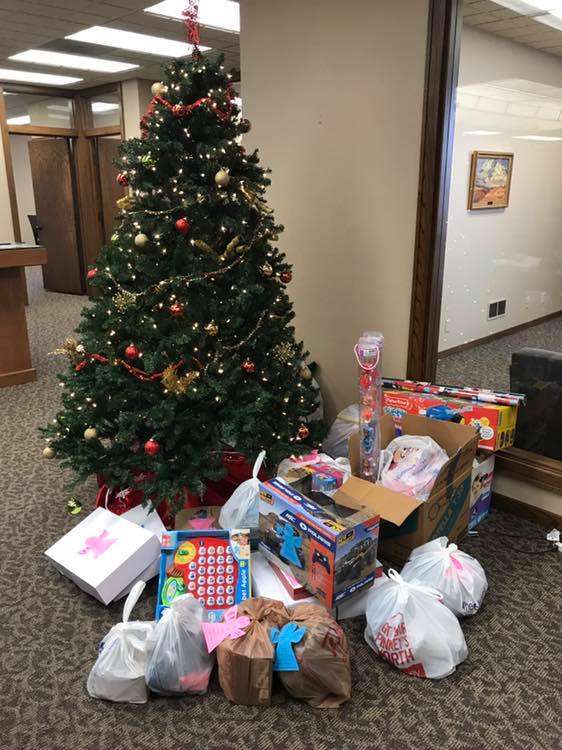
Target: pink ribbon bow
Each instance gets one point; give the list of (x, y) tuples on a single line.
[(231, 627)]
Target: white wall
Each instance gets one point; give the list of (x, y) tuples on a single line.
[(513, 253), (335, 96), (24, 183)]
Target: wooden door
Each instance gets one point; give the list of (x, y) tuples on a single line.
[(51, 172), (110, 189)]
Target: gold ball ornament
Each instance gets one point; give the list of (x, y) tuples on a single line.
[(158, 88), (212, 328), (222, 178), (48, 452), (90, 433), (141, 240)]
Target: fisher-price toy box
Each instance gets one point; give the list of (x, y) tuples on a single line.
[(331, 549), (495, 423)]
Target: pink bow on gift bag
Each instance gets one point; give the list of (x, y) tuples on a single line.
[(231, 627)]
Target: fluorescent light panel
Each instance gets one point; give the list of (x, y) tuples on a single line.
[(546, 138), (148, 45), (215, 14), (30, 77), (482, 132), (20, 120), (103, 106), (80, 62)]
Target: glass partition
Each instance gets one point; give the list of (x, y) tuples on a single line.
[(40, 110)]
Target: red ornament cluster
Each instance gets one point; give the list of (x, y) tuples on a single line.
[(303, 432), (122, 179), (182, 225), (286, 277), (176, 310), (248, 366), (152, 447), (131, 352), (92, 273)]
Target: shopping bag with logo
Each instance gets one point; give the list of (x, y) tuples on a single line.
[(180, 662), (409, 626), (242, 507), (459, 578), (312, 657), (119, 671)]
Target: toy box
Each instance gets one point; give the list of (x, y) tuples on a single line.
[(495, 423), (481, 488), (331, 549), (214, 566)]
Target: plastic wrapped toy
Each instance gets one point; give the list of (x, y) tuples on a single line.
[(410, 465), (458, 577), (409, 626), (180, 662), (119, 671), (242, 507), (322, 677), (368, 352)]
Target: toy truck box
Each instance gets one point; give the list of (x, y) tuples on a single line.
[(495, 424), (330, 549)]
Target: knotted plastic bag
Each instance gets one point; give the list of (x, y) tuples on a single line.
[(346, 424), (241, 510), (246, 662), (323, 675), (119, 671), (180, 662), (459, 578), (409, 626)]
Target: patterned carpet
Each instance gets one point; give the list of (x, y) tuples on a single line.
[(487, 365), (506, 695)]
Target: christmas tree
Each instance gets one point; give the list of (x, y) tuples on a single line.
[(188, 345)]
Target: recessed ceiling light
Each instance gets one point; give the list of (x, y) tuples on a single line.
[(80, 62), (20, 120), (148, 45), (546, 138), (103, 106), (29, 77), (216, 14), (482, 132)]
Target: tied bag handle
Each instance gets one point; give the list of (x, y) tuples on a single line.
[(257, 466), (132, 599), (395, 577)]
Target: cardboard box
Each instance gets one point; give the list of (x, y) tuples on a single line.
[(481, 488), (104, 553), (496, 424)]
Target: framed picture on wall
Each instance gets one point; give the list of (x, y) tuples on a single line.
[(490, 180)]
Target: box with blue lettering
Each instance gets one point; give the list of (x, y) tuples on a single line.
[(330, 548)]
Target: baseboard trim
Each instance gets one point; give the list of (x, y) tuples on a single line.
[(498, 335), (545, 517)]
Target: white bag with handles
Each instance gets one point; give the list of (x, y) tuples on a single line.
[(241, 510), (410, 627), (459, 578), (118, 674)]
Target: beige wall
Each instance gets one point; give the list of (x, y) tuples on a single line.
[(136, 98), (24, 183), (335, 97), (6, 226)]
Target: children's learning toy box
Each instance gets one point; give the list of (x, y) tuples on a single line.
[(214, 566), (331, 549)]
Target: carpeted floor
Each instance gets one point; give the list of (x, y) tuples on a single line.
[(506, 695), (487, 365)]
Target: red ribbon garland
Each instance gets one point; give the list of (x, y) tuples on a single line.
[(181, 110), (191, 22), (138, 373)]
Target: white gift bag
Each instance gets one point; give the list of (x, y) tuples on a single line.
[(336, 443), (241, 510), (410, 627), (459, 578), (180, 662), (119, 672)]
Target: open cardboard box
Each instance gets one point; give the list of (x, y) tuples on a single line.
[(407, 522)]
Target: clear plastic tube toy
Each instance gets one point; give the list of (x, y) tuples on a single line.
[(368, 351)]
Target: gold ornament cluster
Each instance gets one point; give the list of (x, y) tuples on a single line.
[(283, 352), (124, 300), (175, 384), (71, 349)]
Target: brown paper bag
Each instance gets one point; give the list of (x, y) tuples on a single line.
[(324, 676), (246, 663)]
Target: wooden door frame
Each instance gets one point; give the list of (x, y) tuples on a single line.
[(441, 76)]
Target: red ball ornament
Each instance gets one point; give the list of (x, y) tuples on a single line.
[(303, 432), (286, 276), (92, 273), (182, 225), (131, 352), (152, 447), (248, 366), (366, 380), (122, 179), (176, 310), (178, 110)]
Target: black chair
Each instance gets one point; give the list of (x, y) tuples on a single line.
[(35, 228)]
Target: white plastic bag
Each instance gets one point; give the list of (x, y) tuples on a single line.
[(180, 662), (410, 627), (118, 674), (345, 425), (241, 510), (459, 578), (410, 465)]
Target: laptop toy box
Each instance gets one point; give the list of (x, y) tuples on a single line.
[(213, 566), (331, 549)]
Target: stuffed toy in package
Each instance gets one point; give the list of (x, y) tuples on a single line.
[(312, 657), (180, 662), (458, 577), (409, 626), (245, 658), (119, 671)]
